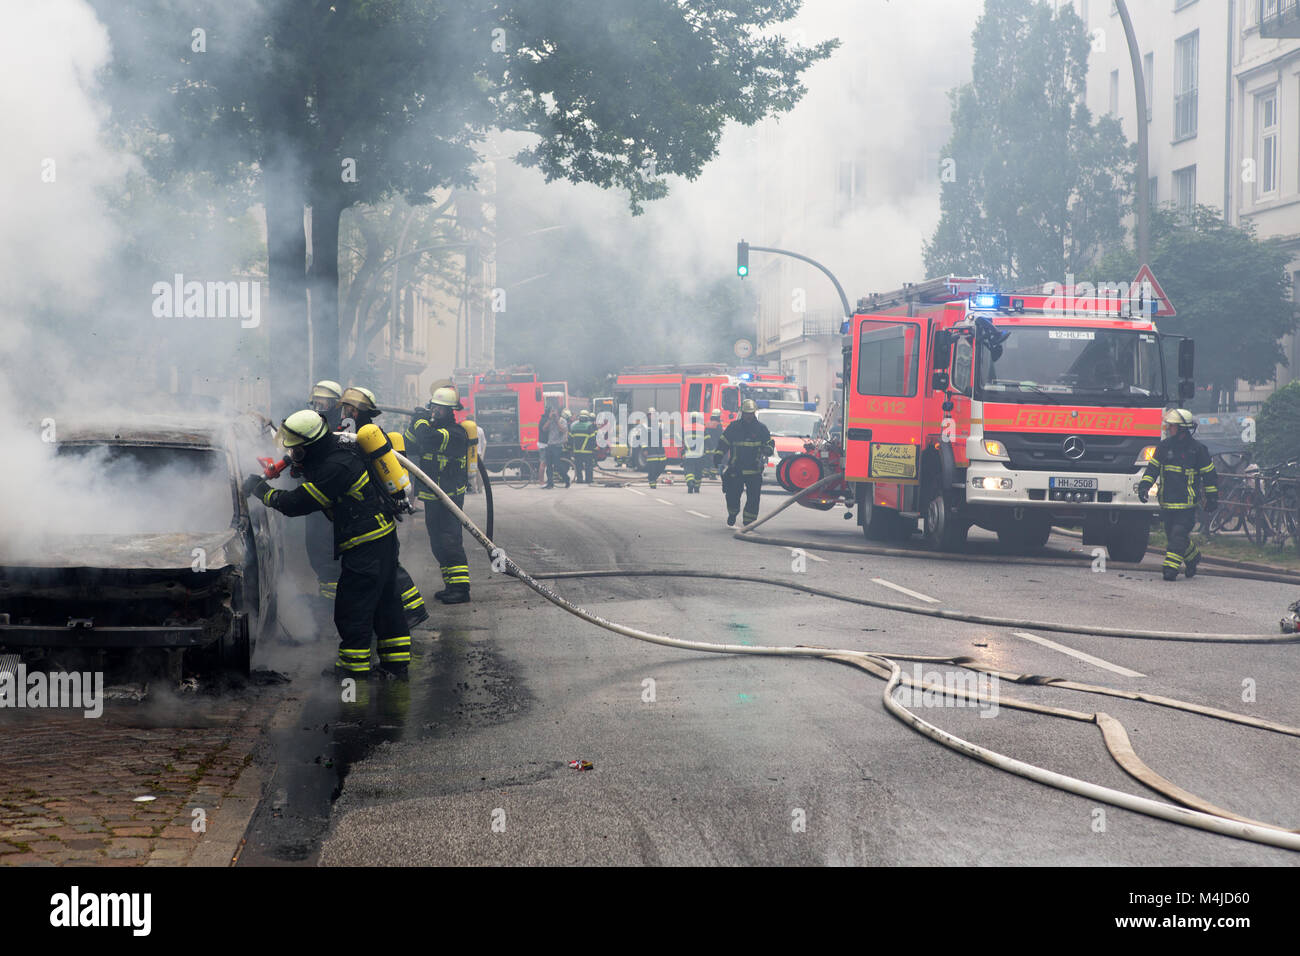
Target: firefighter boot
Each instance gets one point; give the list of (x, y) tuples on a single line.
[(1170, 574), (1190, 566), (731, 520), (456, 594)]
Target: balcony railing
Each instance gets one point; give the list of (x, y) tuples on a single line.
[(1279, 19)]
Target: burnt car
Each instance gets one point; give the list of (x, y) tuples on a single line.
[(139, 541)]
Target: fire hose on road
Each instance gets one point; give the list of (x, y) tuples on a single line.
[(1194, 812)]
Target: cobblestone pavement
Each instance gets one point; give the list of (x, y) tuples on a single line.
[(68, 785)]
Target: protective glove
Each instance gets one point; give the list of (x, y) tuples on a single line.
[(1211, 503), (255, 486), (1143, 492)]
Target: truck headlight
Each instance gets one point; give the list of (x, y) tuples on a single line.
[(992, 484), (994, 448), (1145, 456)]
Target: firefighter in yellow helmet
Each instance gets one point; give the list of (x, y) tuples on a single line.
[(1185, 471), (357, 405), (440, 446), (582, 439), (325, 397), (749, 444), (358, 409), (337, 481), (693, 453)]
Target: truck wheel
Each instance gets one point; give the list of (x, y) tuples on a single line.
[(1128, 542), (944, 530), (878, 524)]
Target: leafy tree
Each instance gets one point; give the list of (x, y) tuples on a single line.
[(1231, 292), (1278, 427), (406, 89), (1036, 189)]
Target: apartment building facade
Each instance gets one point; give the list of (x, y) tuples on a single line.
[(1222, 80)]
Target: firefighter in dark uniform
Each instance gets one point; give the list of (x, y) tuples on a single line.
[(1183, 467), (441, 448), (750, 445), (357, 409), (582, 438), (365, 540), (325, 397), (693, 453), (711, 436), (656, 459)]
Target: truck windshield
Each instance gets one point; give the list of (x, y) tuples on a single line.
[(1072, 366)]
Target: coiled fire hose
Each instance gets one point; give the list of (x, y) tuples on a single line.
[(1195, 813)]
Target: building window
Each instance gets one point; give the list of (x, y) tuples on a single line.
[(1153, 192), (1185, 188), (1114, 92), (1266, 139), (1148, 81), (1185, 83)]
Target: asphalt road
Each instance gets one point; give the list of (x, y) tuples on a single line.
[(718, 759)]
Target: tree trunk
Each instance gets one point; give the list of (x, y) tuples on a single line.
[(286, 249), (324, 284)]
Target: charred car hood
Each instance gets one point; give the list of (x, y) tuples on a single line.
[(160, 552)]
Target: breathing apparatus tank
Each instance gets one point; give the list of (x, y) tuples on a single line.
[(471, 454), (379, 449)]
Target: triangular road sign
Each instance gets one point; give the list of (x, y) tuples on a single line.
[(1146, 285)]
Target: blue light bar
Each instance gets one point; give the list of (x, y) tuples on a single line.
[(764, 403), (810, 406), (985, 300), (746, 376)]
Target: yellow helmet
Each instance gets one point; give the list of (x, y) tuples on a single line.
[(447, 397), (331, 391), (748, 405), (362, 399), (1180, 417), (302, 428)]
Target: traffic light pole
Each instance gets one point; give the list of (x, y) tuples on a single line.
[(744, 248)]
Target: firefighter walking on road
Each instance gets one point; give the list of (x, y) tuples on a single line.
[(442, 449), (1184, 469), (750, 445), (656, 458), (693, 453), (337, 481), (582, 439)]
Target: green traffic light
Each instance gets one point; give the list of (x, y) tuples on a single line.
[(742, 270)]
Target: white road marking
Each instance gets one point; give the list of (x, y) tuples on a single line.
[(664, 501), (635, 492), (812, 557), (696, 513), (1078, 655), (908, 591)]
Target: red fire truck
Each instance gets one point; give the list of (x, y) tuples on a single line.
[(1011, 412), (771, 386), (507, 405), (675, 391)]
